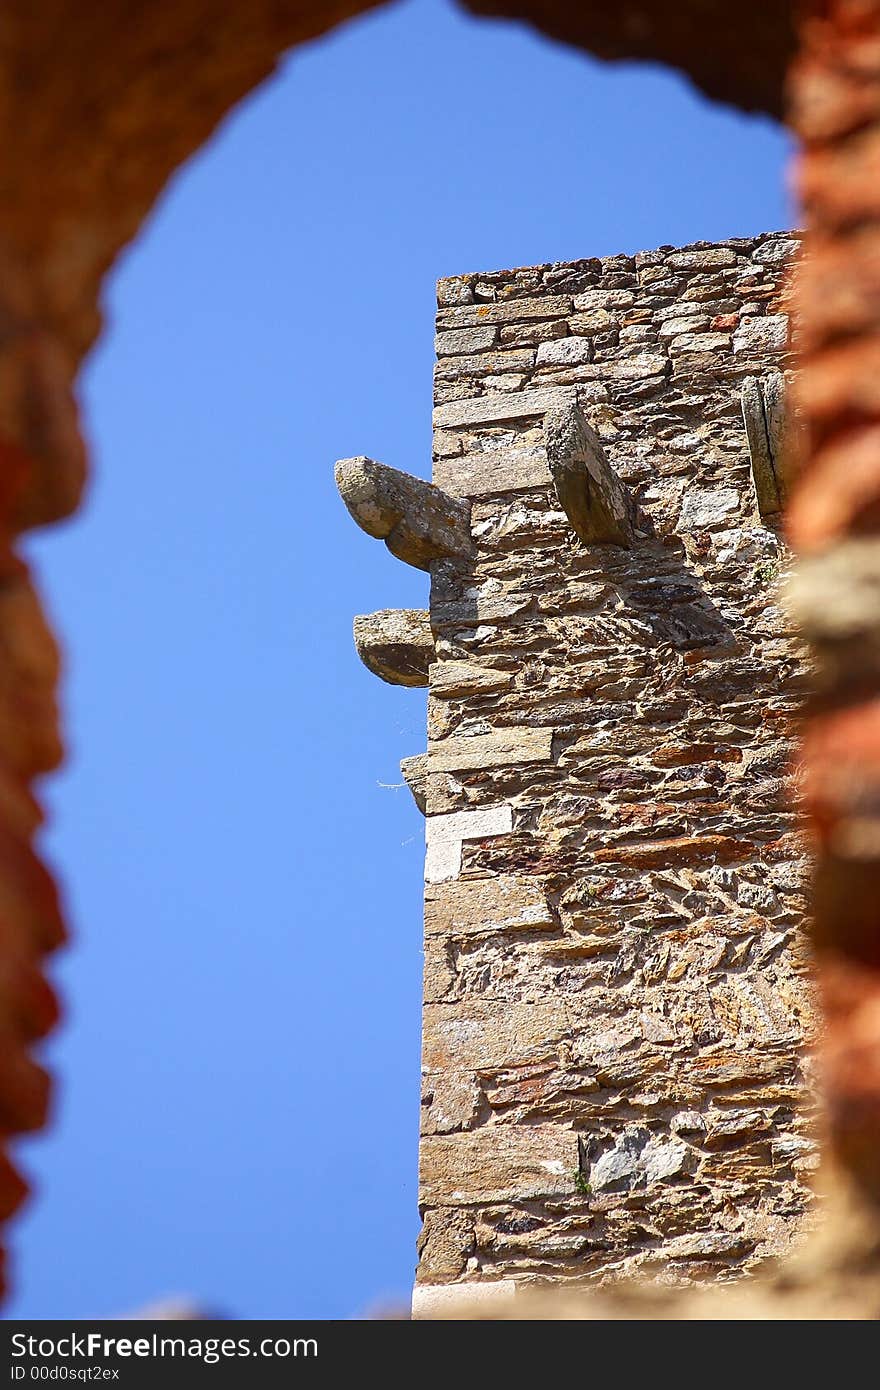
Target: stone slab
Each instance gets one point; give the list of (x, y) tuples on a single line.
[(501, 748), (496, 470), (506, 903)]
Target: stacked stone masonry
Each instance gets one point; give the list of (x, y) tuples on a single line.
[(616, 987)]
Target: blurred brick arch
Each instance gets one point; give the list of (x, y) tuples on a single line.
[(101, 101)]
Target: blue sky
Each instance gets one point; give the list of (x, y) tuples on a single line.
[(239, 1071)]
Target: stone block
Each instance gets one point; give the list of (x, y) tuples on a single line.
[(482, 410), (414, 771), (396, 644), (509, 311), (491, 366), (498, 1163), (704, 508), (490, 1034), (496, 470), (464, 341), (501, 748), (418, 522), (770, 439), (682, 849), (501, 904), (445, 833), (451, 679), (565, 352), (593, 498), (451, 1301), (700, 342), (454, 291), (591, 323), (705, 258), (761, 335)]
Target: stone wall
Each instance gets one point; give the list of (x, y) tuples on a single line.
[(616, 987)]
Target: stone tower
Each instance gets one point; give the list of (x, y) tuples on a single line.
[(615, 991)]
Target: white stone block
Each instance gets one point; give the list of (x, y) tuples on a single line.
[(441, 1300), (444, 836)]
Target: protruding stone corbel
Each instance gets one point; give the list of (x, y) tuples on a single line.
[(396, 644), (414, 772), (770, 436), (417, 521), (593, 498)]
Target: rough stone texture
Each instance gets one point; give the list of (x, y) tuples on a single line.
[(396, 644), (414, 771), (591, 495), (771, 439), (496, 470), (615, 981), (446, 834), (418, 522)]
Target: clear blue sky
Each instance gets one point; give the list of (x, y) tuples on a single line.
[(239, 1072)]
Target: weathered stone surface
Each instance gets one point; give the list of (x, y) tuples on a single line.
[(497, 1164), (699, 342), (705, 258), (564, 351), (396, 644), (636, 1160), (590, 323), (762, 335), (682, 324), (487, 409), (503, 903), (497, 749), (509, 311), (452, 678), (764, 416), (465, 340), (456, 1099), (454, 290), (681, 849), (592, 497), (495, 470), (497, 371), (414, 771), (482, 1035), (445, 834), (613, 945), (478, 606), (489, 1297), (640, 366), (417, 521), (704, 508), (445, 1243)]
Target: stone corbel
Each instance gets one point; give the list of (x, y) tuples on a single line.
[(590, 493), (770, 436), (396, 644), (414, 772), (417, 521)]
